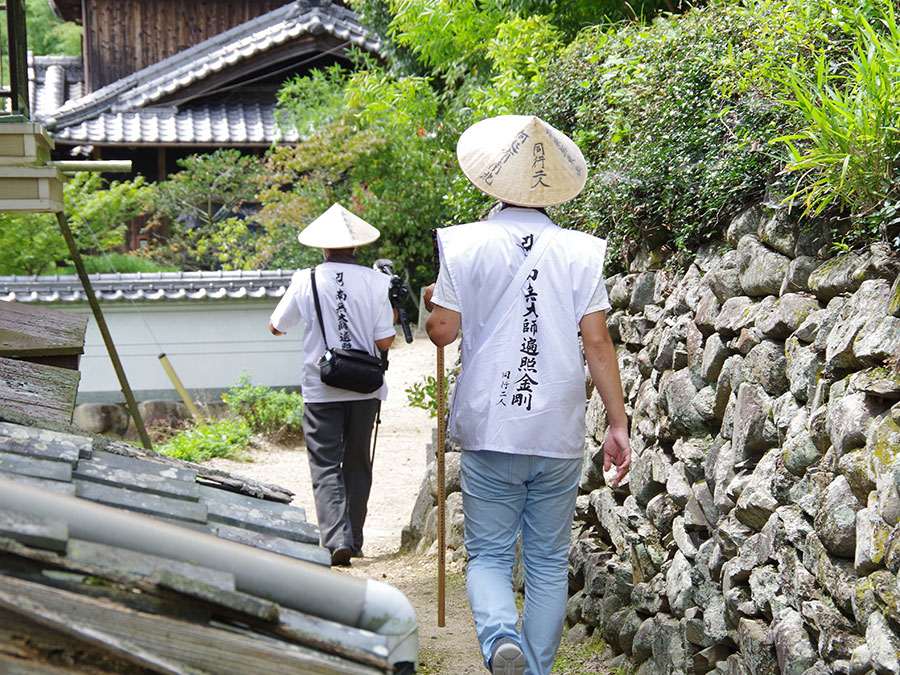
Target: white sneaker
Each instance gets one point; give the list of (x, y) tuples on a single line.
[(507, 658)]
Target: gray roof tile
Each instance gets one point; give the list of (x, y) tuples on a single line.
[(265, 284)]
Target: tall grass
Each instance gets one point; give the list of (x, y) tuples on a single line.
[(847, 154)]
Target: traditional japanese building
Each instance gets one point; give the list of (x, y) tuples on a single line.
[(162, 79)]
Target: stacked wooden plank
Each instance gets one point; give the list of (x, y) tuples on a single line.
[(84, 606), (39, 350)]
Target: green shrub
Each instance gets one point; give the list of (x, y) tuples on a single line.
[(124, 263), (424, 394), (671, 157), (226, 438), (266, 411)]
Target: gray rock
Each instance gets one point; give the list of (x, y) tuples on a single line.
[(797, 278), (788, 314), (803, 367), (836, 520), (724, 278), (736, 313), (792, 644), (757, 501), (644, 292), (101, 418), (622, 286), (835, 574), (678, 585), (878, 340), (661, 511), (872, 537), (714, 355), (836, 635), (678, 394), (747, 221), (766, 365), (798, 449), (707, 311), (870, 299), (754, 431), (757, 654), (762, 270), (842, 274), (882, 444), (849, 418), (883, 644), (883, 382)]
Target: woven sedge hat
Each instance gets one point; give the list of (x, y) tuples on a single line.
[(338, 228), (522, 160)]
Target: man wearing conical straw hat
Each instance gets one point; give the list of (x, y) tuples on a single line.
[(521, 289), (356, 314)]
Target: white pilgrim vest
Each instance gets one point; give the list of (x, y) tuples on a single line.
[(522, 390)]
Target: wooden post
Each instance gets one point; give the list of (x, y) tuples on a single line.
[(441, 490), (441, 479), (104, 331)]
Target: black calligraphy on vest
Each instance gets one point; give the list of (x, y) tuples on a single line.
[(341, 312), (523, 380)]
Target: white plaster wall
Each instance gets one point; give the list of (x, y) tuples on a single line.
[(209, 344)]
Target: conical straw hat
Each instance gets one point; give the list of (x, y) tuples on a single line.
[(522, 160), (338, 228)]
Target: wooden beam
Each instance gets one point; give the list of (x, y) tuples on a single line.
[(27, 331)]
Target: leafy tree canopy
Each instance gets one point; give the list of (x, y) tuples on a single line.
[(48, 34)]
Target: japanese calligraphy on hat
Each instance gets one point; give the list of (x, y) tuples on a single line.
[(338, 228), (522, 160)]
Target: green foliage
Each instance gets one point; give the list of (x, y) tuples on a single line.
[(48, 35), (671, 157), (849, 148), (123, 263), (204, 208), (266, 411), (424, 394), (96, 212), (227, 437)]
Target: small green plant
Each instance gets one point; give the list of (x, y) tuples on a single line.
[(227, 438), (424, 394), (266, 411)]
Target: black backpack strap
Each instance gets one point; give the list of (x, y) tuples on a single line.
[(312, 278)]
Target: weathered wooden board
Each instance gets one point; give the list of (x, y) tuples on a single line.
[(164, 644), (29, 331), (41, 391)]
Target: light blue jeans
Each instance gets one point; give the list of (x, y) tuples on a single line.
[(503, 494)]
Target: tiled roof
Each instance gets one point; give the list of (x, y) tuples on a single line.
[(149, 286), (247, 122), (124, 111)]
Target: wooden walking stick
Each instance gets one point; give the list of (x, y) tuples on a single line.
[(441, 487)]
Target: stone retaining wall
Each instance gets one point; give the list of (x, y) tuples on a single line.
[(759, 528)]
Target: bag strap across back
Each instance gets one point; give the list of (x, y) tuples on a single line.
[(543, 241)]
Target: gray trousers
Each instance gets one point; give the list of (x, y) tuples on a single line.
[(338, 437)]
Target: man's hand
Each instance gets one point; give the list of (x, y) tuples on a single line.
[(426, 298), (617, 450), (275, 331)]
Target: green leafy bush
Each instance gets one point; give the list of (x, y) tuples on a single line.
[(265, 411), (424, 394), (227, 438)]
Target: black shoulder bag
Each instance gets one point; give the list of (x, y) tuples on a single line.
[(352, 369)]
